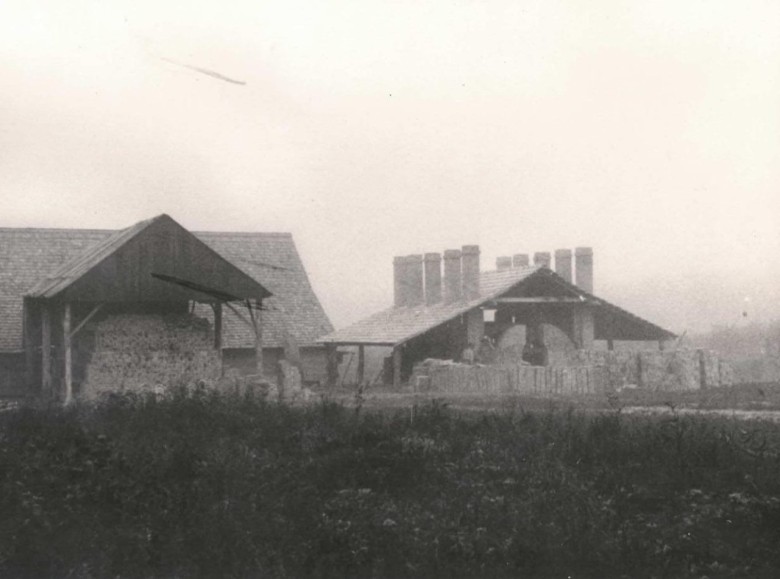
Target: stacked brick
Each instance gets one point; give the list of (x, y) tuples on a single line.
[(137, 352), (585, 372)]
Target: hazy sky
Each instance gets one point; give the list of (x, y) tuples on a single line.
[(647, 130)]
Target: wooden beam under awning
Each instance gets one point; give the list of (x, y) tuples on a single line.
[(543, 300)]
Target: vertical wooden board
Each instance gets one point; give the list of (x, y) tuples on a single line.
[(397, 360), (361, 368), (46, 378), (67, 346)]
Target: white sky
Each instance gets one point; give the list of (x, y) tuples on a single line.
[(647, 130)]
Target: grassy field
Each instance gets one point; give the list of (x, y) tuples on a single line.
[(202, 485)]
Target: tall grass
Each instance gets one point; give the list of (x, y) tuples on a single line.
[(202, 485)]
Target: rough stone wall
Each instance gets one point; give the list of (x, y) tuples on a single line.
[(139, 352)]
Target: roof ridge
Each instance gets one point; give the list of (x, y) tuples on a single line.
[(244, 233), (55, 230)]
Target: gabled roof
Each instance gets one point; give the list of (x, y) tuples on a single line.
[(153, 260), (28, 255), (396, 325)]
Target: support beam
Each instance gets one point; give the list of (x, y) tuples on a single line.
[(475, 327), (86, 319), (361, 367), (254, 315), (217, 326), (543, 300), (332, 365), (397, 358), (29, 347), (584, 328), (217, 307), (46, 349), (67, 345)]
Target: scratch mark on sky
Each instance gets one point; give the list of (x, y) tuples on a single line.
[(205, 71)]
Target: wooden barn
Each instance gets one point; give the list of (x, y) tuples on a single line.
[(86, 310), (446, 304)]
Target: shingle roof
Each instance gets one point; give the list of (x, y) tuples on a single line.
[(398, 324), (273, 260), (28, 255)]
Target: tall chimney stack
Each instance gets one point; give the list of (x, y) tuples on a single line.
[(583, 260), (520, 260), (563, 263), (542, 259), (414, 264), (470, 269), (432, 278), (452, 275), (503, 263), (399, 271)]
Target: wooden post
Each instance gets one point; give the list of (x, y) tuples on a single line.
[(46, 349), (333, 365), (254, 315), (217, 326), (67, 344), (397, 355), (361, 368), (29, 350), (218, 334)]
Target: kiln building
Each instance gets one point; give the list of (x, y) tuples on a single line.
[(442, 303)]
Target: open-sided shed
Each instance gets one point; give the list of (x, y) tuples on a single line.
[(54, 278), (438, 316)]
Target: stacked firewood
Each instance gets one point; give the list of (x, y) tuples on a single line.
[(138, 351)]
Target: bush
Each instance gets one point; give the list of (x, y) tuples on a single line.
[(202, 485)]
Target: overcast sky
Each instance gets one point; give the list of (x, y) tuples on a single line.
[(647, 130)]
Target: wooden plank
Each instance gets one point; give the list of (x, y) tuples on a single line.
[(397, 367), (332, 365), (255, 314), (83, 322), (29, 348), (217, 326), (361, 367), (68, 343), (543, 300), (46, 349)]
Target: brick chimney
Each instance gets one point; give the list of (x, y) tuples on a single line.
[(503, 263), (563, 263), (583, 260), (520, 260), (432, 265), (542, 258), (399, 272), (452, 276), (470, 269), (414, 264)]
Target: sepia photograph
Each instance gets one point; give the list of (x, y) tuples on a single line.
[(376, 290)]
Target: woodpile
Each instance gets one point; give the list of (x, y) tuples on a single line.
[(139, 351)]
